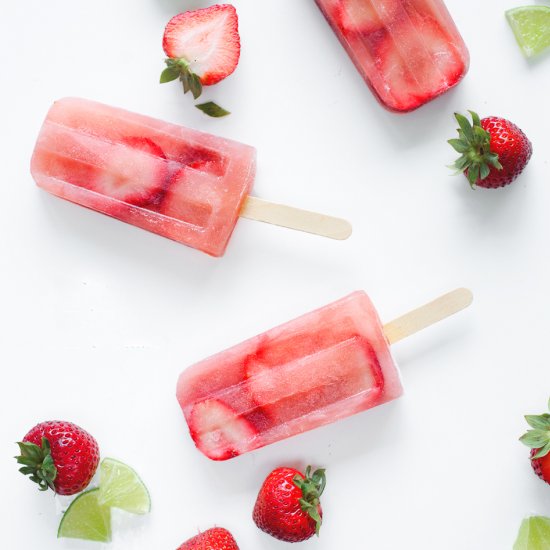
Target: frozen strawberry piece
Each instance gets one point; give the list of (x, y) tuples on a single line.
[(207, 40), (217, 431), (318, 368), (408, 51), (133, 170), (366, 17), (181, 145), (296, 388)]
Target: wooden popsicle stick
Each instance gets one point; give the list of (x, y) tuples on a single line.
[(295, 218), (428, 314)]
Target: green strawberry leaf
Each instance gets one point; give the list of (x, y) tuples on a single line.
[(543, 451), (212, 109), (465, 126), (169, 74), (539, 422), (458, 145), (195, 85)]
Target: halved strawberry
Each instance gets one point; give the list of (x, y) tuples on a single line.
[(218, 431), (362, 16), (204, 42), (134, 171), (417, 67), (301, 384)]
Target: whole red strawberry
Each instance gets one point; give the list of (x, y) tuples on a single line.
[(538, 439), (217, 538), (494, 151), (59, 455), (288, 506)]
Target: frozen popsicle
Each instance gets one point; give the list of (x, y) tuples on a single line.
[(321, 367), (408, 51), (183, 184)]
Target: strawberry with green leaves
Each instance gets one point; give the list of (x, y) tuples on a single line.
[(538, 440), (493, 151), (202, 47), (60, 456), (288, 506)]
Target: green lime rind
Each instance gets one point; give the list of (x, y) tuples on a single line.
[(121, 487), (86, 519), (531, 26), (534, 534)]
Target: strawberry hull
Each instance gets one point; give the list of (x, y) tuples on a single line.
[(179, 183), (408, 51), (321, 367)]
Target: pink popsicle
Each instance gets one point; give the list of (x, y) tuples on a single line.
[(407, 51), (321, 367), (326, 365), (180, 183)]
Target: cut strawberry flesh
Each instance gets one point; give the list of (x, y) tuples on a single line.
[(408, 51), (217, 431), (208, 39), (299, 391), (321, 367)]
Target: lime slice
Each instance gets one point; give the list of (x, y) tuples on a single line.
[(86, 519), (531, 25), (534, 534), (120, 487)]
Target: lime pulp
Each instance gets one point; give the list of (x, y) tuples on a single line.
[(531, 26), (121, 487), (86, 519), (534, 534)]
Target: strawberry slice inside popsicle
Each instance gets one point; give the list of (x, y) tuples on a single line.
[(294, 389), (218, 431)]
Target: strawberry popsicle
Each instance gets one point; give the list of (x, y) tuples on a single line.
[(408, 51), (179, 183), (321, 367)]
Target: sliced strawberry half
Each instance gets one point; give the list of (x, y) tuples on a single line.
[(361, 16), (416, 66), (204, 42), (299, 384), (218, 431), (135, 172)]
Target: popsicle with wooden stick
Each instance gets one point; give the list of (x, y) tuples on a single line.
[(316, 369), (179, 183)]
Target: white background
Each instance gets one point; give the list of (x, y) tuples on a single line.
[(98, 318)]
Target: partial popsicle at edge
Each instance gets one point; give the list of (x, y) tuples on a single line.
[(407, 51), (180, 183), (316, 369)]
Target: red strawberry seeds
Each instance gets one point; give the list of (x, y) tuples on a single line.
[(494, 151), (288, 506), (59, 455), (217, 538)]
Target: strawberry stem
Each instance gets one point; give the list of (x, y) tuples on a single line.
[(37, 463), (312, 487), (474, 146), (539, 437)]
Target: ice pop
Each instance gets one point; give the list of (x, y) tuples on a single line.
[(321, 367), (180, 183), (408, 51)]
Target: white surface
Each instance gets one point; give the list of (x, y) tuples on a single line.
[(99, 317)]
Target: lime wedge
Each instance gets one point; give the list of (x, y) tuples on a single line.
[(531, 25), (120, 487), (86, 519), (534, 534)]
